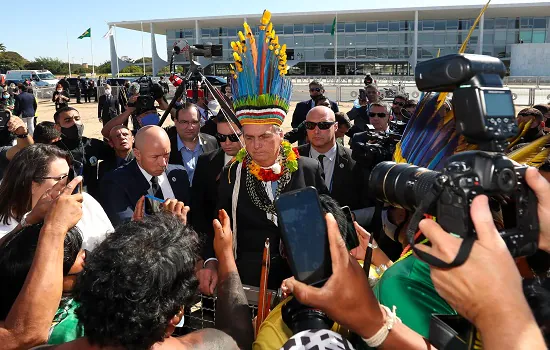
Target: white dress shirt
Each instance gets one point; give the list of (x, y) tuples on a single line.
[(163, 183), (328, 163)]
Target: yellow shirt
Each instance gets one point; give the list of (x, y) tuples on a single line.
[(274, 333)]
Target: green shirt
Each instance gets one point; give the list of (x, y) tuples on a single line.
[(408, 286), (65, 327)]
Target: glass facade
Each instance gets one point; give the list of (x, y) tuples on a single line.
[(380, 47)]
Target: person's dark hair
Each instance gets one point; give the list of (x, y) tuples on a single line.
[(400, 96), (316, 83), (532, 111), (186, 106), (28, 166), (542, 108), (410, 103), (342, 119), (329, 205), (62, 110), (136, 280), (538, 298), (45, 132), (16, 256)]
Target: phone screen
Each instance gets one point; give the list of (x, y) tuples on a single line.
[(304, 233), (351, 235), (362, 94), (4, 118)]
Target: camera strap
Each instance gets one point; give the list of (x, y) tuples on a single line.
[(430, 198)]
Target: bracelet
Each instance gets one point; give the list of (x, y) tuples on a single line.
[(22, 136), (379, 337)]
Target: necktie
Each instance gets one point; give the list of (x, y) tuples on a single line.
[(157, 192), (321, 157)]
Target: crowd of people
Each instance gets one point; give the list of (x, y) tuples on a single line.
[(106, 244)]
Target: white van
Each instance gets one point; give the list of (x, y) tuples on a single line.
[(38, 77)]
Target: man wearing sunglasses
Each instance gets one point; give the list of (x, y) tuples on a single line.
[(186, 140), (536, 128), (335, 159), (398, 104), (379, 118), (204, 194), (316, 91)]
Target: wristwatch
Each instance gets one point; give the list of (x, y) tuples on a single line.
[(22, 136), (24, 222)]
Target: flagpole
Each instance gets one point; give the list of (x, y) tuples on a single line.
[(92, 49), (114, 38), (142, 49), (68, 51), (336, 47)]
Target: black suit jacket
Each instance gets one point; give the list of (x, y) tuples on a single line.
[(107, 108), (347, 179), (25, 105), (300, 112), (209, 144), (110, 164), (123, 187), (253, 226), (204, 197)]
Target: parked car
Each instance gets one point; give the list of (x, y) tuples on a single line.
[(216, 81), (38, 77), (117, 81)]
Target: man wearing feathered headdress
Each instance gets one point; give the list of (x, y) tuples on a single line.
[(268, 165)]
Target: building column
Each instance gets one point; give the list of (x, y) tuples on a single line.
[(480, 37), (197, 31), (415, 47), (157, 63)]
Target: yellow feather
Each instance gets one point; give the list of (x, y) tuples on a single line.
[(540, 158), (528, 152), (524, 127)]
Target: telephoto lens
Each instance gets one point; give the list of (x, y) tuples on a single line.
[(401, 185), (299, 317)]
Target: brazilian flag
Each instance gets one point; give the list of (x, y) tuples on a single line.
[(86, 34)]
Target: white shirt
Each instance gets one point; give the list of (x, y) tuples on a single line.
[(163, 183), (328, 163), (226, 158), (94, 224)]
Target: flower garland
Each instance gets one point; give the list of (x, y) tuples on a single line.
[(274, 172)]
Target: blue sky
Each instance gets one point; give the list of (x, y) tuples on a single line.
[(37, 28)]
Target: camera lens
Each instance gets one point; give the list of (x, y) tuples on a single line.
[(506, 180), (401, 185)]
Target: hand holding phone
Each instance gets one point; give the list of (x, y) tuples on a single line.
[(304, 234)]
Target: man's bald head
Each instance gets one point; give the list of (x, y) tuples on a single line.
[(152, 149), (321, 111), (321, 128)]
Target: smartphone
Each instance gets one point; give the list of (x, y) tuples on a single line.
[(152, 204), (4, 119), (352, 241), (362, 94), (76, 170), (304, 234)]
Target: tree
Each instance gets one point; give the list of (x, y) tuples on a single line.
[(132, 69), (104, 68), (146, 59), (11, 60), (54, 65), (2, 47)]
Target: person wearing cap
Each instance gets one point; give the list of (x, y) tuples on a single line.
[(265, 168)]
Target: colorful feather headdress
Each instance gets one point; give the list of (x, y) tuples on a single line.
[(534, 153), (261, 91)]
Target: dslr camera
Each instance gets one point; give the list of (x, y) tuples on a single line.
[(370, 148), (485, 116)]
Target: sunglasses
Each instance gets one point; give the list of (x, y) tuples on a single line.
[(401, 104), (232, 137), (321, 125), (377, 115), (315, 90), (56, 178)]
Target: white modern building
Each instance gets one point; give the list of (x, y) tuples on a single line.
[(384, 41)]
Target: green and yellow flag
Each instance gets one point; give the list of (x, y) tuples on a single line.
[(86, 34), (333, 30)]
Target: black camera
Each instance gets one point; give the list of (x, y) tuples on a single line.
[(370, 147), (484, 114), (299, 317), (149, 92)]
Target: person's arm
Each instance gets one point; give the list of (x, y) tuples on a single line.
[(54, 96), (491, 267), (119, 119), (17, 106), (18, 127), (30, 317), (541, 187), (34, 105), (66, 96), (233, 313), (354, 307)]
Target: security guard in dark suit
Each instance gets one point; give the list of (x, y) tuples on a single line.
[(108, 106)]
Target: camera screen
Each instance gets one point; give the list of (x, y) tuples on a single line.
[(498, 104)]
